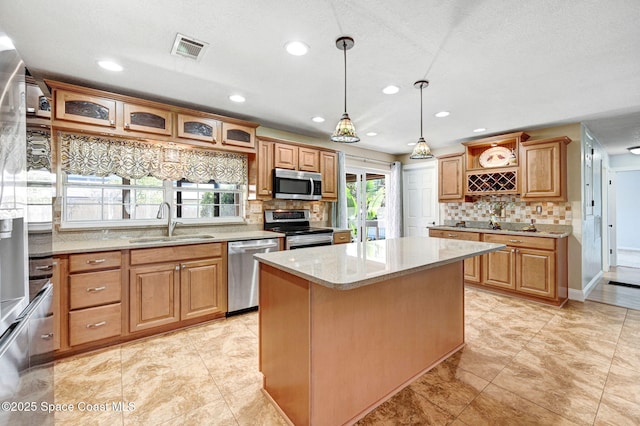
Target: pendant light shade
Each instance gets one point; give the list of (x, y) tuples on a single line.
[(421, 151), (345, 130)]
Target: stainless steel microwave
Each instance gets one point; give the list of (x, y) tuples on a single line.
[(295, 185)]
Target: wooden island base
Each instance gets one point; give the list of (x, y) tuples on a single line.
[(331, 356)]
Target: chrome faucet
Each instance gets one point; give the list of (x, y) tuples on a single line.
[(171, 224)]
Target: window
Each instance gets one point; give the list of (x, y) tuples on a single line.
[(40, 191), (207, 200), (115, 201)]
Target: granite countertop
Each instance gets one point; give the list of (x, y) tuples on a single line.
[(69, 247), (352, 265), (546, 231)]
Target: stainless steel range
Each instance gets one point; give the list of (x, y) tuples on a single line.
[(296, 227)]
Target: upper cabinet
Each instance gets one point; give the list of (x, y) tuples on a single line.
[(200, 128), (450, 178), (238, 135), (86, 109), (506, 164), (95, 111), (544, 169), (276, 153), (144, 119)]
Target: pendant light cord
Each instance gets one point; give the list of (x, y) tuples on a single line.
[(421, 111), (344, 50)]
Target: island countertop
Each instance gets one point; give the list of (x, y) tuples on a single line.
[(353, 265)]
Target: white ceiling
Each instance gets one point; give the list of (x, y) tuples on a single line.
[(500, 64)]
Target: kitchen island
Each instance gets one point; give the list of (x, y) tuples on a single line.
[(344, 327)]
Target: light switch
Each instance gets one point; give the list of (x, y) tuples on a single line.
[(539, 209)]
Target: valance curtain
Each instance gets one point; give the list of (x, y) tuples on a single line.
[(38, 150), (99, 156)]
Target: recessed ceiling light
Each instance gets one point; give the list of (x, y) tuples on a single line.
[(110, 65), (634, 150), (237, 98), (6, 44), (479, 129), (372, 134), (390, 90), (412, 143), (296, 48), (318, 119), (442, 114)]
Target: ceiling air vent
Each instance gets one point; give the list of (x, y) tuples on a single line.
[(188, 47)]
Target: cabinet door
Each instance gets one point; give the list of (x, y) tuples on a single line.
[(140, 118), (237, 135), (56, 280), (154, 296), (472, 269), (85, 109), (499, 269), (285, 156), (451, 178), (199, 128), (308, 159), (203, 288), (536, 272), (329, 171), (543, 176), (265, 168)]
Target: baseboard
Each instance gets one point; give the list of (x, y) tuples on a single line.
[(581, 295)]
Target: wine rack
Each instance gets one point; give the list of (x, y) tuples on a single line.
[(501, 182)]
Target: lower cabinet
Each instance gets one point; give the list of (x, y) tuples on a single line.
[(154, 296), (112, 297), (531, 267), (472, 265)]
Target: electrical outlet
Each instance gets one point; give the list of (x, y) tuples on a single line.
[(255, 208), (539, 209), (316, 208)]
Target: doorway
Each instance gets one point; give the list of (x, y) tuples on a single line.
[(419, 198), (624, 243), (367, 203)]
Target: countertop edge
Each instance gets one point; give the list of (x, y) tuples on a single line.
[(74, 247), (541, 234), (344, 286)]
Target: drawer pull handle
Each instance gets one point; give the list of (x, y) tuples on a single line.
[(44, 268), (94, 289), (96, 261), (96, 325), (515, 241), (452, 236), (46, 336)]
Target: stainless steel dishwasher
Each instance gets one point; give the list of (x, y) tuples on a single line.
[(242, 273)]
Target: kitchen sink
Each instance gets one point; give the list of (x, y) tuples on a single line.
[(172, 238)]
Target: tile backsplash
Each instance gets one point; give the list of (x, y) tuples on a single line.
[(509, 209)]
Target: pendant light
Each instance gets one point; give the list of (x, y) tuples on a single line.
[(421, 151), (345, 130)]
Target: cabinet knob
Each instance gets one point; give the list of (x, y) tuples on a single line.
[(177, 267), (112, 122), (126, 125)]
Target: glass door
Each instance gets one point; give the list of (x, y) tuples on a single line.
[(366, 204)]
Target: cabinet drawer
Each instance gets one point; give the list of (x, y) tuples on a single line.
[(458, 235), (175, 253), (518, 241), (94, 261), (341, 237), (94, 288), (92, 324)]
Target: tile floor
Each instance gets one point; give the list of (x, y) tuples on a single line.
[(523, 364)]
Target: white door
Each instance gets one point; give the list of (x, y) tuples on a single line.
[(611, 218), (419, 198)]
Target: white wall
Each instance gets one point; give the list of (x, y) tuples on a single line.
[(628, 209)]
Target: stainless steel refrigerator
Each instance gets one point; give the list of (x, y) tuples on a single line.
[(26, 319)]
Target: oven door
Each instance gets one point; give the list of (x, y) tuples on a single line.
[(304, 241)]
